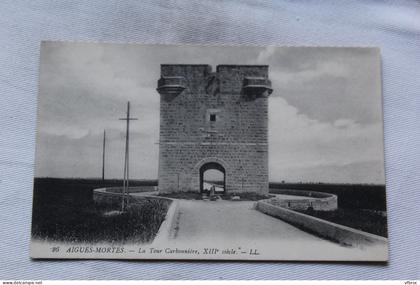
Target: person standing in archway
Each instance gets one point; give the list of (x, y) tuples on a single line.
[(212, 190)]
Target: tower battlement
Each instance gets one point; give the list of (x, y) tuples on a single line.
[(229, 78)]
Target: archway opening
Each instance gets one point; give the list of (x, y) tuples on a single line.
[(212, 174)]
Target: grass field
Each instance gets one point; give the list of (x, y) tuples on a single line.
[(63, 210), (373, 222)]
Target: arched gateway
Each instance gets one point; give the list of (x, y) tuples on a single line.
[(213, 120), (220, 184)]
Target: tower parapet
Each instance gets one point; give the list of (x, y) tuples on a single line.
[(171, 85)]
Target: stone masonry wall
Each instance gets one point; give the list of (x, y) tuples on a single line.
[(237, 140)]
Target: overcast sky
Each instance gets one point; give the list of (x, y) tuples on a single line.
[(325, 113)]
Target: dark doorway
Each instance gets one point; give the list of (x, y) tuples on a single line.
[(212, 173)]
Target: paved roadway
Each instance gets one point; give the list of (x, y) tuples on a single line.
[(233, 224), (229, 223), (232, 220)]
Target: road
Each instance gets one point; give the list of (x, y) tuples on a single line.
[(227, 224), (236, 224), (230, 220)]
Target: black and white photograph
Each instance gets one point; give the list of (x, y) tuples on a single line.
[(176, 152)]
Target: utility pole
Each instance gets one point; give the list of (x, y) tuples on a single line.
[(103, 157), (126, 158), (178, 181)]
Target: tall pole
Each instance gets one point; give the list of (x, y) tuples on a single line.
[(103, 157), (126, 158), (127, 142)]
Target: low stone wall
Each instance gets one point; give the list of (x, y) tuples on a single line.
[(342, 234), (134, 189), (318, 201), (112, 195), (103, 197), (167, 228)]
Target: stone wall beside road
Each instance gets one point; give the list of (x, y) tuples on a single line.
[(304, 200)]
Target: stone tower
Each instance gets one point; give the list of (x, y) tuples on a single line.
[(213, 120)]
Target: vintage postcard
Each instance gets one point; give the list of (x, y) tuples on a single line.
[(209, 153)]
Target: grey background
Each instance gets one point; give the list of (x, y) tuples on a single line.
[(394, 26)]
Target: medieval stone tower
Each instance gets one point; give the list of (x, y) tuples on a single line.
[(213, 120)]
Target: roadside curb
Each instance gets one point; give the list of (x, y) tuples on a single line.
[(338, 233), (167, 228)]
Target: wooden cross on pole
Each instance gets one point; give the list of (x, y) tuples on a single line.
[(126, 158)]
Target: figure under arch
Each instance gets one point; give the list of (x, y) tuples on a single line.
[(215, 181)]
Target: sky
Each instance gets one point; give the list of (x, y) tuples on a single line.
[(325, 112)]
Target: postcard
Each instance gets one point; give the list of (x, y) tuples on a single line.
[(178, 152)]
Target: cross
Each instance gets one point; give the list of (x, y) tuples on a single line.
[(126, 158)]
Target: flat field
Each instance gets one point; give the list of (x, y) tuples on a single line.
[(63, 210)]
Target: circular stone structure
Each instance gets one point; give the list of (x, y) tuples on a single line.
[(304, 200)]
